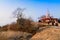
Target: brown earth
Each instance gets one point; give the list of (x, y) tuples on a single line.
[(52, 33)]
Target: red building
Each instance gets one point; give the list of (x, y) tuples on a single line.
[(48, 19)]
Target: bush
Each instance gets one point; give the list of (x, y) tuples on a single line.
[(26, 25)]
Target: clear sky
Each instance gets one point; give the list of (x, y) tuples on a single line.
[(34, 8)]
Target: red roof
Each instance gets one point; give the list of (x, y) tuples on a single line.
[(49, 18), (45, 19)]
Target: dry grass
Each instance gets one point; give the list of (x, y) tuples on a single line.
[(47, 34), (14, 35)]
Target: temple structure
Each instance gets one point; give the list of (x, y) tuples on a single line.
[(48, 19)]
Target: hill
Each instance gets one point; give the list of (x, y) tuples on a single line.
[(52, 33)]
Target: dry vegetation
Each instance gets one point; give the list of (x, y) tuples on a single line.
[(22, 30), (14, 35), (47, 34), (27, 29)]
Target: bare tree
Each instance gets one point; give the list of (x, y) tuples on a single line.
[(18, 13)]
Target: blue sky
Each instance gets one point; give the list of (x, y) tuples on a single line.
[(34, 8)]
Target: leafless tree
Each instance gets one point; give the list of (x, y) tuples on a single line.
[(18, 13)]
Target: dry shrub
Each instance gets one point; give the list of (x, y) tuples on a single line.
[(26, 25), (22, 24), (4, 28), (13, 26)]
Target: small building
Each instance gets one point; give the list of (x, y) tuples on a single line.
[(48, 19)]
